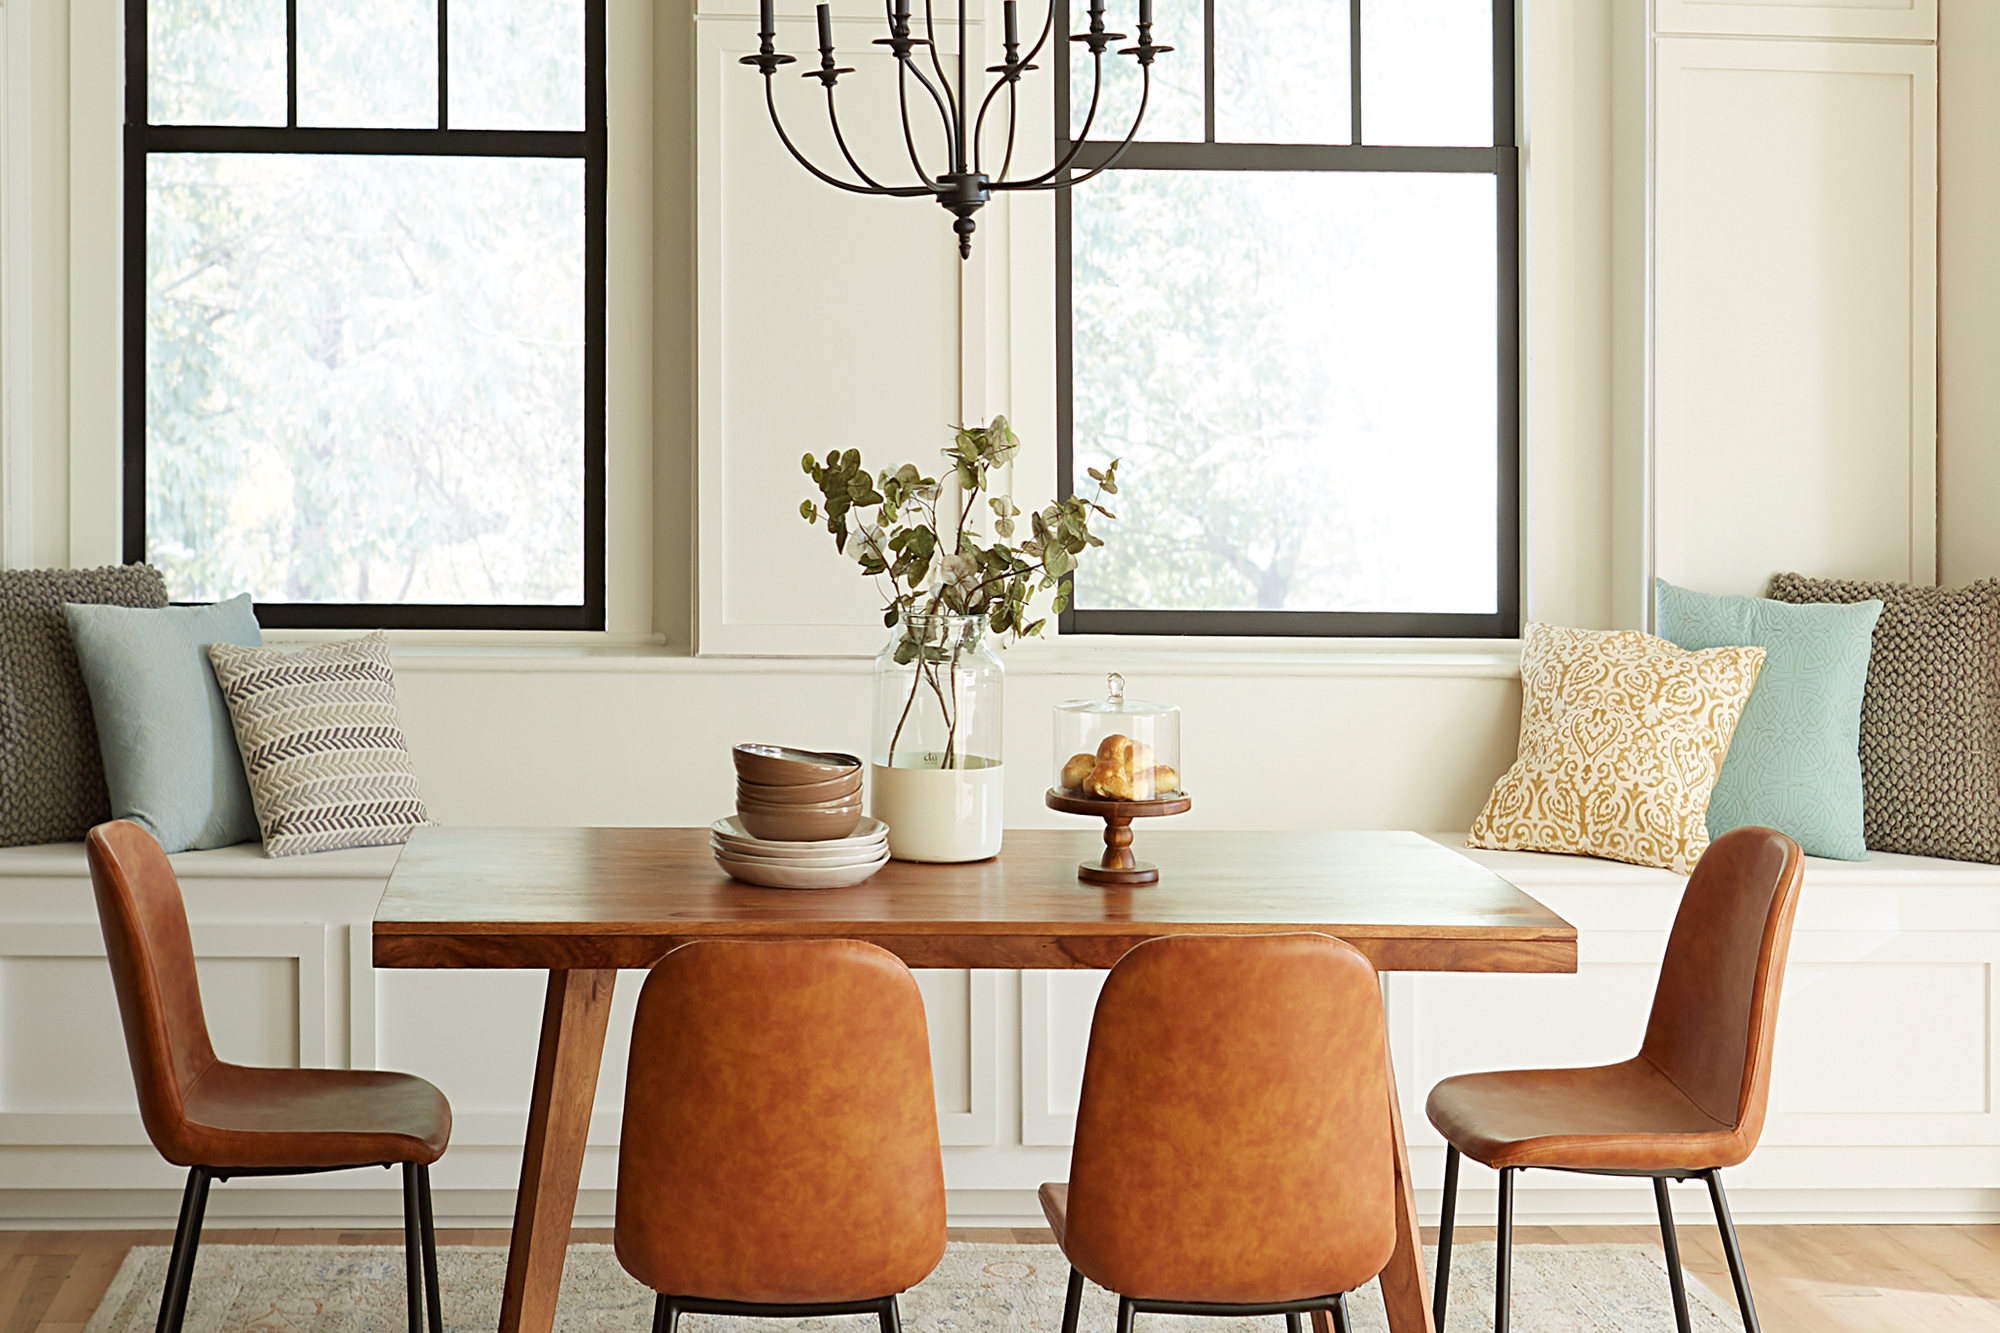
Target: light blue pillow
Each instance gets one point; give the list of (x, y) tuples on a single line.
[(170, 756), (1794, 763)]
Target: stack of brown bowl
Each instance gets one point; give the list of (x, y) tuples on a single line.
[(787, 795)]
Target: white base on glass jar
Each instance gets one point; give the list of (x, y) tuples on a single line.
[(939, 814)]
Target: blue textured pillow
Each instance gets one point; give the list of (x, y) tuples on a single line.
[(1795, 762), (170, 755)]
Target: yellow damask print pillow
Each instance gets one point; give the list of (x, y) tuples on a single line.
[(1622, 736)]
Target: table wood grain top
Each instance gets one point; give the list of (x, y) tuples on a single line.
[(597, 898)]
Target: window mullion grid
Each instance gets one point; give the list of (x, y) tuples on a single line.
[(1499, 162), (1208, 71), (1354, 72), (143, 138), (444, 71)]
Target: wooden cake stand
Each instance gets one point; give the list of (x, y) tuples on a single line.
[(1119, 866)]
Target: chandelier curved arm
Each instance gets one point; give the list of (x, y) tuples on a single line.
[(898, 191), (1008, 161), (903, 104), (979, 128), (833, 118), (1041, 183), (944, 79), (1096, 90)]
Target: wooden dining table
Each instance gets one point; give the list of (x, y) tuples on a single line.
[(583, 903)]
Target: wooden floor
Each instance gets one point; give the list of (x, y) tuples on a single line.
[(1818, 1279)]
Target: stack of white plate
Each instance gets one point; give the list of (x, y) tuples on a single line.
[(832, 863)]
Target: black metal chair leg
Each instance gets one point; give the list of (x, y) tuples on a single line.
[(428, 1222), (1293, 1324), (1671, 1243), (1125, 1313), (413, 1257), (1340, 1324), (665, 1316), (1445, 1216), (187, 1239), (1737, 1273), (890, 1317), (1072, 1301), (1503, 1257)]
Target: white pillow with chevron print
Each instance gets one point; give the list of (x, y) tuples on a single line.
[(322, 744)]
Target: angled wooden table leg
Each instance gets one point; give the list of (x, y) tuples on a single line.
[(574, 1017), (1406, 1289)]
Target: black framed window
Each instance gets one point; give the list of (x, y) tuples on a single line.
[(365, 308), (1291, 308)]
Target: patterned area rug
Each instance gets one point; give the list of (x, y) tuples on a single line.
[(977, 1289)]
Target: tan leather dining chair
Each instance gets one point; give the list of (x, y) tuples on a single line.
[(779, 1156), (1690, 1103), (1234, 1153), (222, 1120)]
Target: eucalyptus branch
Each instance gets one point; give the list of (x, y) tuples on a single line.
[(889, 523)]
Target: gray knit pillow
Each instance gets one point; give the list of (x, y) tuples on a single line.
[(1930, 715), (51, 776)]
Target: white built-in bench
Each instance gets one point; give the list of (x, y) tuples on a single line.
[(1882, 1104)]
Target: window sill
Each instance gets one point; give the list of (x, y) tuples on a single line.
[(1079, 656)]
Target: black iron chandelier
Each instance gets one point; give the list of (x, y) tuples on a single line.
[(964, 188)]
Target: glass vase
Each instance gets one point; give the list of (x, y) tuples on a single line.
[(935, 776)]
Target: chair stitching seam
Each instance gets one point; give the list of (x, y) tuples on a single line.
[(1691, 1101)]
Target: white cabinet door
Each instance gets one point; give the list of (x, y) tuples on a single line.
[(1888, 20), (1795, 290)]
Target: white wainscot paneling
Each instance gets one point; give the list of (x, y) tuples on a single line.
[(1055, 1035), (486, 1068), (826, 321), (1888, 20), (1936, 1066), (1881, 1091), (64, 1077), (1795, 279), (963, 1010)]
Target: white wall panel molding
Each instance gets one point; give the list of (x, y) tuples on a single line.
[(825, 320), (17, 286), (1880, 20), (1055, 1032), (96, 270), (63, 1076), (1795, 307), (963, 1011)]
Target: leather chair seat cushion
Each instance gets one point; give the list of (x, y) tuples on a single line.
[(240, 1116), (1622, 1117)]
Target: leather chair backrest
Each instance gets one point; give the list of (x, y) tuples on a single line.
[(780, 1141), (1233, 1140), (152, 967), (1716, 1008)]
